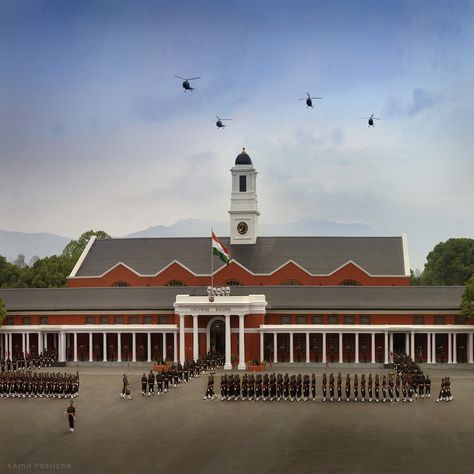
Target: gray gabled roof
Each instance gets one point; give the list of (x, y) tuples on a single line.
[(396, 298), (317, 255)]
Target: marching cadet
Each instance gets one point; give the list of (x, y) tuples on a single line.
[(348, 388), (377, 388), (384, 388), (306, 388), (186, 371), (339, 387), (428, 386), (273, 385), (144, 384), (324, 384), (265, 388), (210, 395), (245, 387), (448, 387), (127, 391), (442, 393), (251, 385), (286, 388), (356, 388), (166, 382), (223, 387), (151, 383), (299, 388), (279, 387), (397, 387), (236, 387), (258, 387), (404, 387), (125, 388), (331, 387), (230, 387), (71, 414), (175, 376), (313, 387), (421, 386), (369, 385), (362, 388), (159, 383), (180, 373), (390, 387), (292, 388)]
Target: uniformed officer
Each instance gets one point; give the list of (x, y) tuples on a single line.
[(331, 387), (377, 388), (151, 383), (362, 388), (369, 387), (324, 384), (144, 384), (313, 387), (348, 388)]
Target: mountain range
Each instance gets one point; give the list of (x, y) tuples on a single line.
[(44, 244)]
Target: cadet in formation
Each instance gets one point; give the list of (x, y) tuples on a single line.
[(445, 394)]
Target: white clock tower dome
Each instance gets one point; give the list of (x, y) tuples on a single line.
[(243, 202)]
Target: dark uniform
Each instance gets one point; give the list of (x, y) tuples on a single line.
[(144, 384), (71, 414)]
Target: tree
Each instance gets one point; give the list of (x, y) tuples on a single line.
[(450, 263), (10, 275), (48, 272), (467, 302), (74, 249), (415, 277), (20, 261), (3, 312)]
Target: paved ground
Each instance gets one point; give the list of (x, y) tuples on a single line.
[(181, 433)]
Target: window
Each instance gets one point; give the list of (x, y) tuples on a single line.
[(118, 319), (133, 320), (333, 319), (104, 320), (120, 283), (439, 320), (418, 320), (365, 319), (9, 320), (90, 319), (242, 184), (349, 283), (317, 319), (43, 319), (348, 319), (26, 320), (285, 320), (232, 283), (148, 319), (163, 319), (290, 282), (175, 283), (301, 319)]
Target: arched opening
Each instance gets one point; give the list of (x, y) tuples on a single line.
[(217, 337), (120, 283), (349, 283)]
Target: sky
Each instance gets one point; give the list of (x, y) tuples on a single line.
[(96, 132)]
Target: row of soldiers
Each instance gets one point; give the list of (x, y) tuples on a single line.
[(445, 394), (28, 384), (32, 361), (303, 387)]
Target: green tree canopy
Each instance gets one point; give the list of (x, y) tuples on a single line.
[(467, 302), (10, 275), (450, 263), (48, 272), (74, 249), (3, 312)]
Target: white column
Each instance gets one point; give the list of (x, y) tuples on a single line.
[(407, 344), (433, 349), (181, 338), (261, 346), (62, 337), (291, 348), (27, 343), (10, 345), (450, 349), (390, 347), (275, 347), (134, 346), (175, 346), (119, 347), (195, 337), (91, 349), (428, 348), (372, 348), (386, 348), (341, 349), (75, 347), (164, 346), (356, 359), (469, 345), (242, 365), (324, 348), (148, 347), (45, 346), (104, 347), (23, 344), (38, 348), (455, 349), (412, 345), (228, 362), (307, 349)]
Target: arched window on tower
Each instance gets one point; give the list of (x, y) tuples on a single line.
[(290, 282), (175, 283), (349, 282), (232, 283), (120, 283)]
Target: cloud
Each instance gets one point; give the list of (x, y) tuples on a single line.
[(420, 100)]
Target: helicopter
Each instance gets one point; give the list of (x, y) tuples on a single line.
[(219, 123), (370, 120), (186, 85), (309, 100)]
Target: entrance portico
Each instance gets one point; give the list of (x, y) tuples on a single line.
[(232, 309)]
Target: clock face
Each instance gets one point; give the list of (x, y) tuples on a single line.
[(242, 228)]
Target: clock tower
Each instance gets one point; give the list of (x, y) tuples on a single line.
[(243, 202)]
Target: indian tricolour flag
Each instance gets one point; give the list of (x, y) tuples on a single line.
[(219, 249)]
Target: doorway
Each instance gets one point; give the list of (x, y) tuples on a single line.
[(217, 337)]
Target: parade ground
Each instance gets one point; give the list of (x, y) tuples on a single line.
[(181, 433)]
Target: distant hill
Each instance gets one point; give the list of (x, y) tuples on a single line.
[(41, 244)]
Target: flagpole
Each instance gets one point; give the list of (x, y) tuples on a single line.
[(212, 260)]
